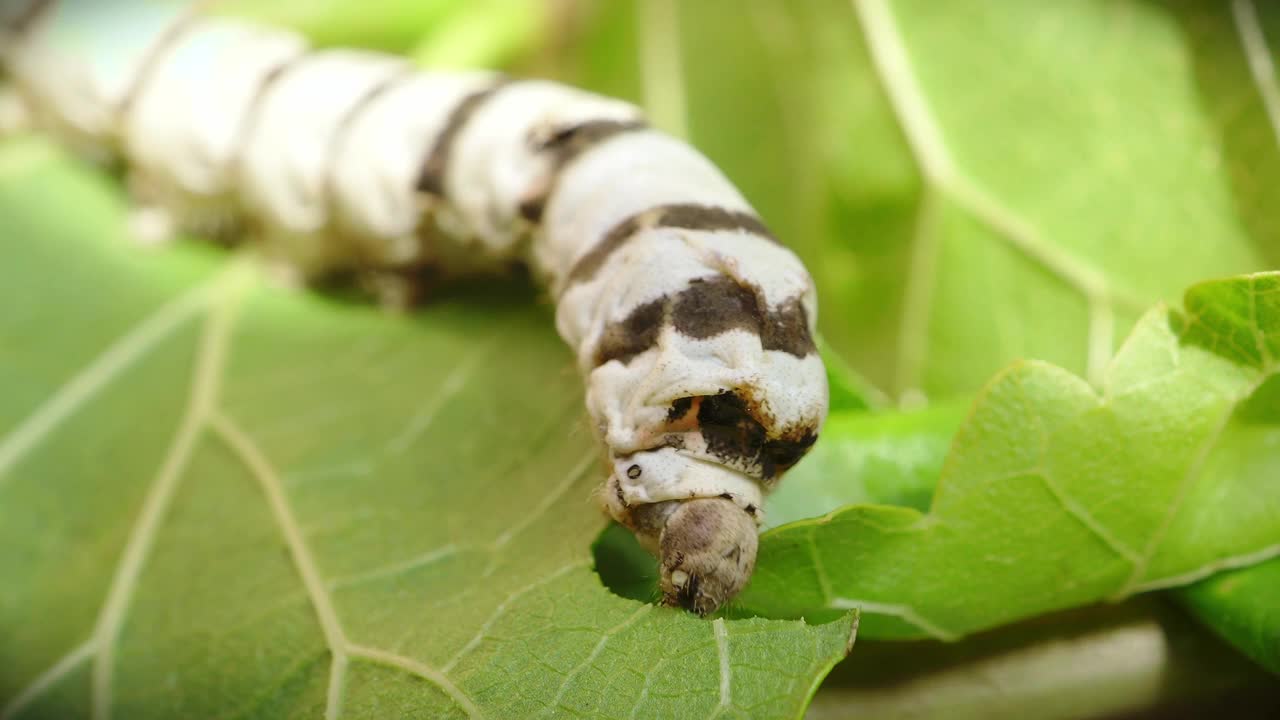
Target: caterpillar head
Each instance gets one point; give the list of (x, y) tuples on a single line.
[(707, 550), (699, 518)]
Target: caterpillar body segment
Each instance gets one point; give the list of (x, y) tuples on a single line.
[(78, 95), (691, 323), (378, 160), (285, 163), (184, 130)]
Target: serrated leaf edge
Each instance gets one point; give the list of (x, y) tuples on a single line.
[(1134, 584)]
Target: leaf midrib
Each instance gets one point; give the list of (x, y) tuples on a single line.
[(911, 107), (221, 298), (1253, 41)]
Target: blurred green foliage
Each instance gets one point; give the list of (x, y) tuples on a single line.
[(973, 184)]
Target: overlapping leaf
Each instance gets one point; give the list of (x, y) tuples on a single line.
[(991, 197), (974, 183), (1055, 494)]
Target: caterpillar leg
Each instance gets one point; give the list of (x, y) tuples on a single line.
[(401, 290), (151, 225), (159, 215), (156, 221)]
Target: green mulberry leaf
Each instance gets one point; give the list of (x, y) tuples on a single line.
[(220, 499), (1056, 494)]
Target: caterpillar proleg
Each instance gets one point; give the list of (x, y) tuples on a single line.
[(691, 323)]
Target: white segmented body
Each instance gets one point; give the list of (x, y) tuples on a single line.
[(595, 197), (285, 165), (184, 128), (495, 164), (377, 161), (78, 96), (690, 322)]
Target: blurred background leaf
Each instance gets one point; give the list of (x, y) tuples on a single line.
[(979, 182), (970, 184), (975, 183)]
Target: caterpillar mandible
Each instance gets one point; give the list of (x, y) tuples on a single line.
[(691, 323)]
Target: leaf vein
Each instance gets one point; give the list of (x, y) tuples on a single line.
[(902, 612), (548, 501), (1184, 486), (1259, 337), (117, 358), (644, 689), (1082, 515), (419, 669), (1254, 42), (453, 383), (418, 561), (64, 666), (928, 147), (502, 608), (726, 675), (210, 359), (1204, 571), (595, 652), (229, 431)]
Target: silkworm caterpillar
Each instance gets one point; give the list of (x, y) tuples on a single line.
[(691, 323)]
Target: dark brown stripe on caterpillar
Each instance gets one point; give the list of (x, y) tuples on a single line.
[(777, 456), (23, 21), (250, 120), (708, 307), (344, 125), (633, 335), (683, 216), (566, 146), (703, 217), (431, 180), (715, 305), (679, 409), (787, 329), (733, 433)]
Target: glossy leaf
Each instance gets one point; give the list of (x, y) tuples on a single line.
[(1056, 494), (971, 183), (977, 182), (218, 498)]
